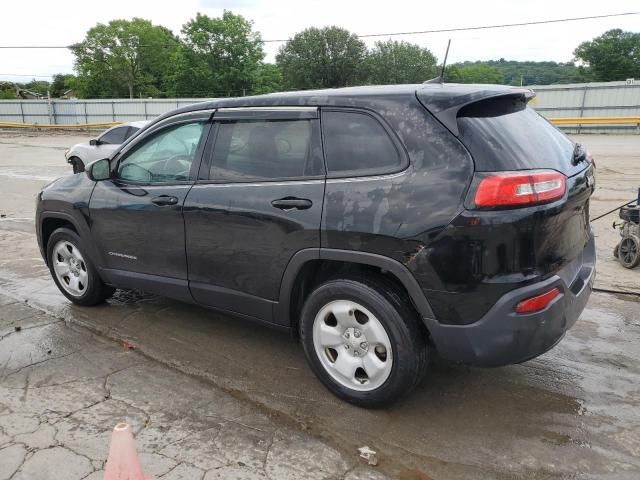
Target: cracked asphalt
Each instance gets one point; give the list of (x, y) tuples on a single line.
[(211, 396)]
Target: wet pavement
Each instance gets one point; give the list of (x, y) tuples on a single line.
[(571, 413)]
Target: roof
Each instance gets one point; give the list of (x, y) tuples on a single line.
[(442, 99)]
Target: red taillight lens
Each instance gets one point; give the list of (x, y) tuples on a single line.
[(537, 303), (513, 189)]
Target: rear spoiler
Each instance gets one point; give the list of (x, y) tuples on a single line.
[(445, 101)]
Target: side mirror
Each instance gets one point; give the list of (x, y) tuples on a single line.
[(94, 142), (99, 170)]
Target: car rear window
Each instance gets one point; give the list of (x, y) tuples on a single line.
[(357, 144), (505, 134)]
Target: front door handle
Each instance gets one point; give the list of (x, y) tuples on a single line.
[(289, 203), (163, 200)]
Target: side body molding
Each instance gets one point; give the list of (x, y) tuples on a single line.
[(281, 314)]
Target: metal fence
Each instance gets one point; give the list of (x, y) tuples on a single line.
[(610, 99), (72, 112), (591, 100)]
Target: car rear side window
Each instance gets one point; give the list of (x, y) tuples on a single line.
[(250, 150), (115, 136), (357, 144)]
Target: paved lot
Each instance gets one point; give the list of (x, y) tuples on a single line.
[(572, 413)]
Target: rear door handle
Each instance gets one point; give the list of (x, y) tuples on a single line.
[(289, 203), (163, 200)]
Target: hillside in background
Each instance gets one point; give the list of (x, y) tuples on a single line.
[(532, 73)]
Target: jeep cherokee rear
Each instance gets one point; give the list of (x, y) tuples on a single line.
[(376, 223)]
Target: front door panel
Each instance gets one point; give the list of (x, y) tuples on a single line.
[(136, 234)]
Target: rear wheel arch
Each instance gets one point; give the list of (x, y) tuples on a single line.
[(309, 268)]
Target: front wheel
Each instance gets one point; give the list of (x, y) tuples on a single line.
[(72, 271), (363, 341)]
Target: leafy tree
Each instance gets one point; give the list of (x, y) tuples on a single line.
[(268, 79), (479, 73), (321, 58), (614, 55), (38, 86), (124, 57), (400, 62), (61, 83), (7, 90), (220, 56)]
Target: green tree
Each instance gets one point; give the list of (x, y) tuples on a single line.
[(124, 58), (38, 86), (479, 73), (7, 90), (614, 55), (322, 58), (220, 56), (268, 79), (61, 83), (400, 62)]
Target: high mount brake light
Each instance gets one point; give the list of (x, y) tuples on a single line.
[(516, 189)]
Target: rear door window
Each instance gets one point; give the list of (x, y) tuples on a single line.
[(505, 134), (357, 144), (253, 150)]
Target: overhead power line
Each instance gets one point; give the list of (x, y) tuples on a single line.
[(392, 34)]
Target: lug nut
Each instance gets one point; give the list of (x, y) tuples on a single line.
[(347, 346), (356, 333), (356, 353), (364, 345), (346, 335)]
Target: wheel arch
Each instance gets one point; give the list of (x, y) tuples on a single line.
[(305, 265), (49, 221)]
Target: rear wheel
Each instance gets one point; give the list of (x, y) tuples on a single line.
[(363, 341), (72, 270)]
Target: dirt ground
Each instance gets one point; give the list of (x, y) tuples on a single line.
[(571, 413)]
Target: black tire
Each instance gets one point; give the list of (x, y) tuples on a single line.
[(629, 251), (96, 292), (615, 250), (407, 335), (77, 164)]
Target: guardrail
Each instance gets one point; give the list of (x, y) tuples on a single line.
[(594, 120), (555, 120), (57, 126)]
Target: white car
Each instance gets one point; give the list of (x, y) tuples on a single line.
[(102, 147)]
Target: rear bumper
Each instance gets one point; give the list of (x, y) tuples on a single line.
[(503, 337)]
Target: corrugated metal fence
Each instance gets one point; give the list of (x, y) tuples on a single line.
[(610, 99), (599, 99), (70, 112)]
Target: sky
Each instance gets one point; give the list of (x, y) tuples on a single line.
[(66, 21)]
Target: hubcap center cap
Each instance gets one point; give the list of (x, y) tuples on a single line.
[(355, 342)]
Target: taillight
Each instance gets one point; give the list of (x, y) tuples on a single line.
[(537, 303), (515, 189)]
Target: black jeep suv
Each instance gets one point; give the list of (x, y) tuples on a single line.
[(375, 223)]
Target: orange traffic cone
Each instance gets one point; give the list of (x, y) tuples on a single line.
[(123, 463)]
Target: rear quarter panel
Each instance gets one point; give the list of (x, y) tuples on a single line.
[(399, 215)]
